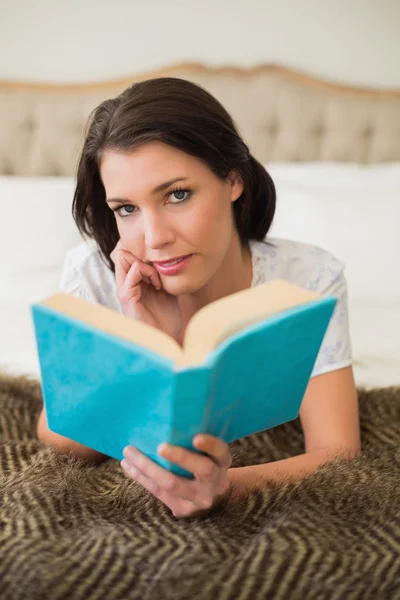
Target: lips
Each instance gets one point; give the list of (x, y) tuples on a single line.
[(173, 266), (165, 263)]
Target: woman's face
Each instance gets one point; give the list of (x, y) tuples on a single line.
[(189, 216)]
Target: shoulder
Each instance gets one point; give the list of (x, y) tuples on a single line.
[(306, 265), (87, 258), (86, 274), (84, 253), (315, 269)]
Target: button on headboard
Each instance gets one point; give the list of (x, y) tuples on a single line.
[(283, 115)]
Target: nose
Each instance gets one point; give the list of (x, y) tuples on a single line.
[(157, 231)]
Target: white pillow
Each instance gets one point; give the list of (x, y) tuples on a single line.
[(36, 230), (352, 211)]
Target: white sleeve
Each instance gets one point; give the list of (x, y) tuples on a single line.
[(72, 280), (336, 350)]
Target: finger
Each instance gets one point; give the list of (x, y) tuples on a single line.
[(137, 273), (201, 466), (122, 266), (119, 272), (150, 484), (113, 254), (155, 278), (214, 447), (133, 278), (163, 479), (151, 273), (180, 507), (127, 260)]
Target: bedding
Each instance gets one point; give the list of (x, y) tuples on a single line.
[(36, 231), (352, 211), (69, 529), (349, 209), (374, 331), (375, 335)]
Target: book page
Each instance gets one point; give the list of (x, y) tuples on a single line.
[(215, 322), (112, 322)]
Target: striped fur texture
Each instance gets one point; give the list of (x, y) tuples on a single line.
[(70, 530)]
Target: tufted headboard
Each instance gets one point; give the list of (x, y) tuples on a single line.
[(282, 114)]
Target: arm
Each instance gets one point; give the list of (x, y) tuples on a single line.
[(330, 421), (64, 444), (80, 277)]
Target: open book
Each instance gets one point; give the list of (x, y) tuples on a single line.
[(109, 381)]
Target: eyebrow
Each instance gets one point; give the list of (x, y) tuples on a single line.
[(156, 190)]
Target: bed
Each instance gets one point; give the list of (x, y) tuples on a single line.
[(334, 154), (73, 530)]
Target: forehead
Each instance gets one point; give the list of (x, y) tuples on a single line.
[(148, 165)]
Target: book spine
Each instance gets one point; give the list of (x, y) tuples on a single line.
[(223, 398), (190, 405)]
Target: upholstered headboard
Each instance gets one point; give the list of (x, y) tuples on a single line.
[(283, 115)]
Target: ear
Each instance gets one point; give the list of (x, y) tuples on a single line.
[(236, 183)]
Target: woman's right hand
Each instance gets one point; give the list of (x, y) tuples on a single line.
[(139, 290)]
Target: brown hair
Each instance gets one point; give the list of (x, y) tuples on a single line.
[(184, 115)]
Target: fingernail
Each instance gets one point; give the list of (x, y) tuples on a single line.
[(162, 448), (128, 467), (129, 452)]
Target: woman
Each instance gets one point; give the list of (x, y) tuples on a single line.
[(177, 210)]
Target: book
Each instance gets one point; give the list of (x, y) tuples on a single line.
[(109, 381)]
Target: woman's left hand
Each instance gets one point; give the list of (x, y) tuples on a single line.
[(185, 497)]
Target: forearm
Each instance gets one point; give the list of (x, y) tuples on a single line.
[(64, 444), (256, 476)]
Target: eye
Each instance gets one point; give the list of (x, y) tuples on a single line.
[(179, 195), (125, 206), (130, 209)]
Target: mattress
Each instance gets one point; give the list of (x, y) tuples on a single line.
[(374, 330)]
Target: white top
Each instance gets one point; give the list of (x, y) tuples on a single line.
[(86, 275)]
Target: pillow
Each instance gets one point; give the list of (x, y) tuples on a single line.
[(36, 230), (375, 335), (351, 210)]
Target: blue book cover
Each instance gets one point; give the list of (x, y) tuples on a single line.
[(106, 392)]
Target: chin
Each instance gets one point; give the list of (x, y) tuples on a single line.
[(177, 286)]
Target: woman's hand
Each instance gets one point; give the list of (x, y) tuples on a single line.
[(185, 497), (139, 290)]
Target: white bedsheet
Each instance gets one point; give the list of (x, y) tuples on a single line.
[(317, 203), (375, 334), (17, 341), (374, 328)]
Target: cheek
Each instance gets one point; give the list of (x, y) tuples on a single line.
[(131, 237), (210, 219)]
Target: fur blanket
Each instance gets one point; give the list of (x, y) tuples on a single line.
[(71, 530)]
